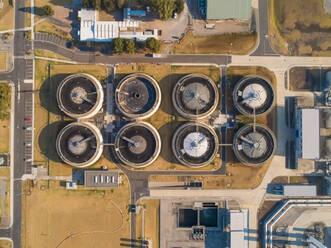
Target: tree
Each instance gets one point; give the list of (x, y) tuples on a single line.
[(179, 6), (97, 4), (165, 8), (304, 49), (109, 5), (130, 46), (153, 44), (88, 3), (118, 45), (47, 10), (120, 3)]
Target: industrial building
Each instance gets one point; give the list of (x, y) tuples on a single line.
[(298, 222), (138, 144), (239, 228), (202, 223), (93, 29), (225, 9), (253, 94), (254, 144), (138, 96), (195, 96), (313, 133), (80, 96), (299, 190), (101, 179), (79, 144), (195, 144)]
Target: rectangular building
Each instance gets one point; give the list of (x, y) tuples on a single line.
[(239, 228), (101, 179), (299, 190), (226, 9), (308, 133)]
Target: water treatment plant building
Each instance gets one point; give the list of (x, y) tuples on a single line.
[(138, 144), (195, 144), (138, 96), (79, 144), (195, 96), (80, 96), (253, 93), (253, 144)]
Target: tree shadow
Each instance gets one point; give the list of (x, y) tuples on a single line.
[(166, 132), (48, 91), (47, 140), (37, 10), (166, 85)]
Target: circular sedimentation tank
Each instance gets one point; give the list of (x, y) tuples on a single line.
[(80, 96), (195, 144), (138, 144), (195, 96), (79, 144), (253, 93), (254, 145), (138, 96)]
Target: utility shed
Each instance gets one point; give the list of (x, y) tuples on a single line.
[(299, 190), (226, 9)]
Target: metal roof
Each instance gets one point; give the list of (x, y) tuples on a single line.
[(310, 133), (239, 228), (300, 190), (101, 179), (225, 9)]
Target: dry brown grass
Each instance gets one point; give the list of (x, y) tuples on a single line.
[(48, 124), (81, 218), (7, 16), (5, 173), (166, 119), (5, 132), (151, 221), (27, 14), (216, 44), (238, 176), (6, 244), (4, 136), (3, 61), (47, 27), (49, 54)]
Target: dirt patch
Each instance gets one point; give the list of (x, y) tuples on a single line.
[(55, 217), (6, 244), (308, 78), (216, 44), (7, 15), (3, 61)]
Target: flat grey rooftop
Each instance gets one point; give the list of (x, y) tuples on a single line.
[(101, 179)]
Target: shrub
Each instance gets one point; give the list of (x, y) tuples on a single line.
[(118, 45), (130, 46), (47, 10), (153, 44)]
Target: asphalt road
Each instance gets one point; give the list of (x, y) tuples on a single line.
[(264, 48), (20, 72)]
